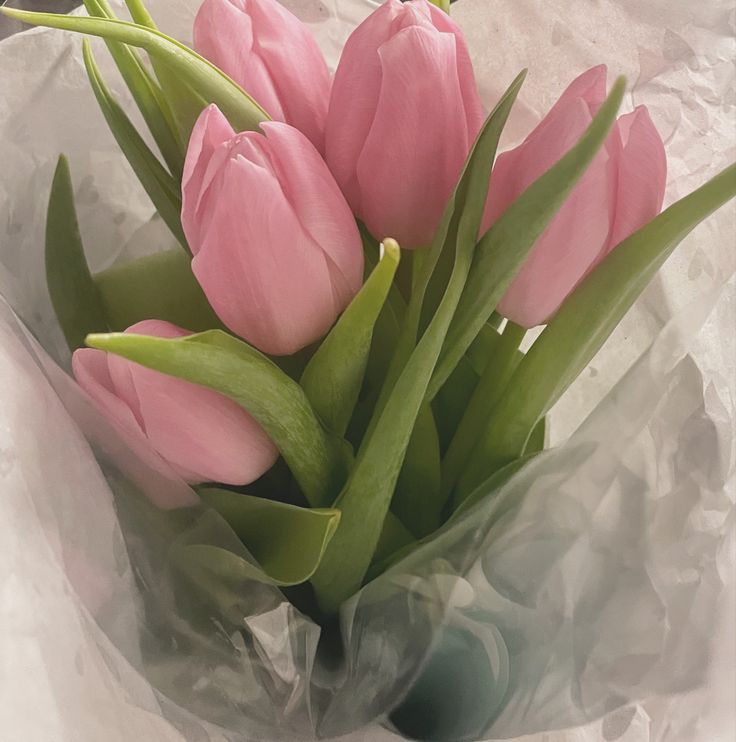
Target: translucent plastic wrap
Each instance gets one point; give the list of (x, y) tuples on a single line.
[(589, 585)]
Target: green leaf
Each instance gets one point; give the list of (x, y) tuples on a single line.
[(460, 224), (162, 189), (74, 295), (132, 292), (194, 71), (140, 14), (147, 94), (394, 537), (287, 541), (486, 395), (503, 249), (334, 375), (584, 322), (418, 500), (366, 498), (221, 362)]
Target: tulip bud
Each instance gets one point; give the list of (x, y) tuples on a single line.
[(403, 115), (621, 191), (201, 435), (276, 247), (272, 55)]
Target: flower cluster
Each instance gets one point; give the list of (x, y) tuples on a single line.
[(270, 216)]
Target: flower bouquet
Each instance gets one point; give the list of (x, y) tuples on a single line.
[(321, 410)]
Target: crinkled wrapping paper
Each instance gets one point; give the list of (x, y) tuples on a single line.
[(585, 593)]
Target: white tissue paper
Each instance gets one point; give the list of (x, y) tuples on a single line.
[(591, 599)]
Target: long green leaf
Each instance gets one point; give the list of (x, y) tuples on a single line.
[(485, 397), (460, 223), (366, 498), (334, 375), (287, 541), (139, 13), (503, 249), (132, 292), (74, 295), (418, 500), (147, 94), (162, 189), (221, 362), (196, 72), (584, 322)]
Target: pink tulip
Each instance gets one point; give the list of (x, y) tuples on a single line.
[(272, 56), (403, 115), (199, 434), (621, 191), (276, 247)]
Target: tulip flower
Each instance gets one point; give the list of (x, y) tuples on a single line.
[(621, 191), (276, 247), (403, 115), (272, 55), (199, 434)]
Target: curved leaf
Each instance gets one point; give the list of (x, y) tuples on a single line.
[(147, 94), (221, 362), (287, 541), (334, 375), (584, 322), (503, 249), (212, 85), (161, 187), (74, 295)]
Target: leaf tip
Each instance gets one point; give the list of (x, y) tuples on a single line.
[(390, 248)]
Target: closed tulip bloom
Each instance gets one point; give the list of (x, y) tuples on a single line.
[(272, 55), (621, 191), (199, 434), (276, 247), (403, 115)]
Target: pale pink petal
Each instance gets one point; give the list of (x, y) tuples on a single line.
[(355, 92), (272, 56), (263, 274), (296, 65), (518, 168), (224, 34), (91, 372), (414, 152), (642, 175), (473, 110), (566, 251), (210, 131), (204, 435), (319, 205)]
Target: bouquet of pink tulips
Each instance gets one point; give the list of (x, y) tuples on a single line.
[(328, 385)]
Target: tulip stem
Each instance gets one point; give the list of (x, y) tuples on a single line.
[(486, 395)]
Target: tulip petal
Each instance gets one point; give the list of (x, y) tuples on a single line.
[(210, 131), (90, 369), (298, 69), (205, 436), (405, 177), (518, 168), (319, 205), (224, 34), (272, 55), (263, 274), (566, 251), (355, 91), (466, 75), (642, 175)]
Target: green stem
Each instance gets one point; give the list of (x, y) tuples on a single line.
[(485, 397)]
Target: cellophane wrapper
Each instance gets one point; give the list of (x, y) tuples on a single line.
[(588, 599)]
